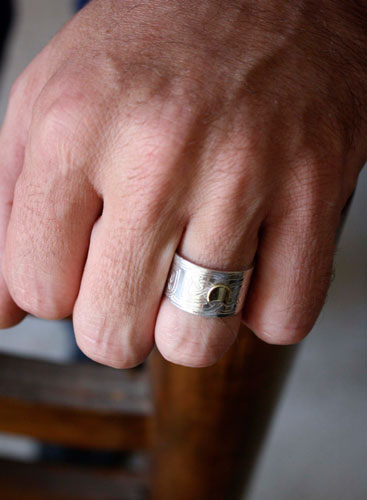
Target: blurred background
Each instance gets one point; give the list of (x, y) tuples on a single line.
[(317, 445)]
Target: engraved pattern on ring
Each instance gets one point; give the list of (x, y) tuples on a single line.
[(188, 285)]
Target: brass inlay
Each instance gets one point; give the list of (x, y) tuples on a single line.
[(219, 293)]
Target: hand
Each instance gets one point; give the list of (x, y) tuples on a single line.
[(149, 126)]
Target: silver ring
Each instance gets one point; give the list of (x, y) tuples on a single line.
[(206, 292)]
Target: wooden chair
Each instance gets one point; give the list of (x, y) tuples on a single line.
[(198, 429)]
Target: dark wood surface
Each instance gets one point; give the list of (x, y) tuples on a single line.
[(80, 404), (20, 481), (211, 422), (80, 385)]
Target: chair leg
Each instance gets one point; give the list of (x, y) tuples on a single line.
[(210, 422)]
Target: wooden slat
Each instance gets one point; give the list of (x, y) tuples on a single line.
[(79, 404), (85, 429), (80, 385), (21, 481)]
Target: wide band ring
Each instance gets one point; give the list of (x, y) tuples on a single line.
[(206, 292)]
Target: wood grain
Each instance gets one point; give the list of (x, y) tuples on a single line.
[(48, 482), (211, 422), (79, 404)]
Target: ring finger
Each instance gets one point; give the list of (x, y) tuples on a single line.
[(222, 237)]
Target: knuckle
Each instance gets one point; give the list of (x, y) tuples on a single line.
[(38, 303), (55, 133), (280, 334), (59, 129), (156, 148), (193, 341), (35, 295), (25, 297), (104, 344), (185, 351), (314, 187), (288, 320)]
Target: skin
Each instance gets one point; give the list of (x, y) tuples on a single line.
[(146, 127)]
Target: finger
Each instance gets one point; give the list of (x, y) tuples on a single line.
[(122, 285), (134, 241), (53, 212), (222, 235), (293, 270), (11, 164), (13, 137)]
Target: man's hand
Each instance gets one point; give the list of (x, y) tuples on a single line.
[(218, 129)]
